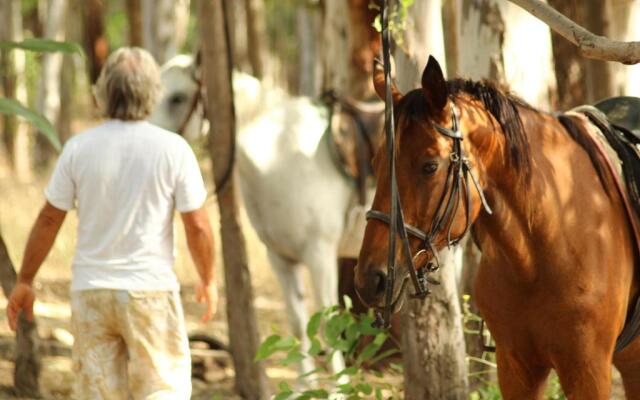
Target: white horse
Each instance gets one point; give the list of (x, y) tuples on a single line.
[(302, 207)]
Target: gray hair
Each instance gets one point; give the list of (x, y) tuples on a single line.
[(129, 84)]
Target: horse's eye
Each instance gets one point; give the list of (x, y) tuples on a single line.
[(429, 168), (177, 99)]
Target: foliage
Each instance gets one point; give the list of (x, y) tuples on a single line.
[(11, 106), (398, 21), (329, 331), (42, 46)]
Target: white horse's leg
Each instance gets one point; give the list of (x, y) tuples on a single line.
[(322, 259), (289, 275)]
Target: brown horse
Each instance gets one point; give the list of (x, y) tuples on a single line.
[(558, 277)]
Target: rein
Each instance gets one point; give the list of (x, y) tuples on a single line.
[(456, 188)]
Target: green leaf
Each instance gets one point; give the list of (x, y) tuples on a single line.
[(283, 395), (11, 106), (43, 46), (364, 388), (372, 348), (316, 394), (273, 344), (315, 348), (314, 325), (348, 304), (293, 356)]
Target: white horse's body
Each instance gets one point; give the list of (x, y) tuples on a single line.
[(301, 206)]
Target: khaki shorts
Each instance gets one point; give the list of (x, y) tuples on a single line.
[(129, 344)]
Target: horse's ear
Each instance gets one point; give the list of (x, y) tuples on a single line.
[(378, 83), (434, 86)]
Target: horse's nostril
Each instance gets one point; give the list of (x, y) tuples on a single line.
[(380, 281)]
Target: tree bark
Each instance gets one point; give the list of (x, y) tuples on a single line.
[(68, 75), (256, 37), (251, 381), (589, 44), (95, 38), (48, 100), (164, 27), (433, 345), (16, 131), (134, 17), (27, 362), (308, 20)]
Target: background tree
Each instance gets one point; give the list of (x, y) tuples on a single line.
[(251, 381), (433, 346), (16, 132), (164, 25), (95, 41)]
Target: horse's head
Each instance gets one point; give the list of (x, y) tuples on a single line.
[(176, 110), (428, 166)]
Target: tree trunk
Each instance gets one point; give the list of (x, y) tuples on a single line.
[(256, 37), (251, 381), (599, 73), (134, 17), (16, 131), (308, 20), (535, 85), (68, 75), (95, 38), (48, 100), (164, 27), (336, 42), (433, 345), (481, 30), (27, 362)]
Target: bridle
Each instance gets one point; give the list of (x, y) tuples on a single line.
[(456, 189), (193, 106)]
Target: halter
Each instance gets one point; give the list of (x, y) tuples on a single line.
[(456, 189)]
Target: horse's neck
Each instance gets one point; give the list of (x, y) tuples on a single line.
[(529, 219), (253, 97)]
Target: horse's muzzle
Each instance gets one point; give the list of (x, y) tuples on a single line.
[(371, 285)]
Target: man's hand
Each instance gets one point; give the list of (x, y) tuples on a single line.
[(209, 294), (21, 299)]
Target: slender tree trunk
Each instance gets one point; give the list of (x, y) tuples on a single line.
[(27, 362), (256, 37), (336, 42), (251, 380), (481, 30), (68, 75), (16, 132), (48, 100), (164, 27), (95, 38), (599, 73), (134, 16), (308, 20), (433, 346)]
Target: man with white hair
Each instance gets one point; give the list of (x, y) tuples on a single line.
[(125, 177)]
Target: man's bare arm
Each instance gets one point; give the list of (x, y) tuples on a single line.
[(201, 246), (41, 239)]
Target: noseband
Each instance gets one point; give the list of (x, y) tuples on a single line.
[(456, 189)]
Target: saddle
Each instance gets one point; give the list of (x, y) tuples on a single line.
[(618, 120), (354, 133)]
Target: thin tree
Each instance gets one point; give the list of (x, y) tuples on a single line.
[(433, 346), (256, 37), (134, 17), (16, 132), (95, 38), (251, 381), (27, 361)]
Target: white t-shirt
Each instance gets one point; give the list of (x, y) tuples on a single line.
[(126, 178)]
